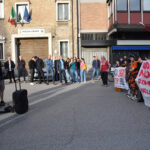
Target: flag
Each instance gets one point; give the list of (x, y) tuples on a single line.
[(12, 18), (27, 16), (146, 27)]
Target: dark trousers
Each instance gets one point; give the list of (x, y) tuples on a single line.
[(104, 76), (40, 75), (32, 75), (56, 75), (11, 75), (62, 72), (22, 72)]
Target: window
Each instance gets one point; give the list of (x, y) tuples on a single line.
[(146, 5), (20, 10), (1, 9), (63, 11), (122, 5), (134, 5), (1, 51), (64, 49)]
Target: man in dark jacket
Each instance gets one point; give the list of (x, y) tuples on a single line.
[(21, 68), (39, 67), (61, 69), (10, 66), (32, 66), (2, 87), (96, 67), (56, 69)]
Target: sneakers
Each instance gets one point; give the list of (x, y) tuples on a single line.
[(31, 83), (134, 98)]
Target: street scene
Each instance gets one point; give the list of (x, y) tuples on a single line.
[(80, 116), (74, 74)]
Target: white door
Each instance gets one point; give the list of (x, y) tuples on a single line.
[(88, 53)]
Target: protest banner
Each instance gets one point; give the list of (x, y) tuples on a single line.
[(143, 81), (120, 78)]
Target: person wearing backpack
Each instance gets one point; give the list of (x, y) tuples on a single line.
[(2, 87), (83, 68)]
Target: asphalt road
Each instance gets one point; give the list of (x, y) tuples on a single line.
[(78, 117)]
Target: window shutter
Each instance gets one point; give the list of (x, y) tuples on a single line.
[(1, 9)]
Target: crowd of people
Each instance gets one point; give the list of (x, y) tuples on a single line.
[(132, 65), (71, 70)]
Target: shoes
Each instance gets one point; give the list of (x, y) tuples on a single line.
[(2, 103), (61, 83), (31, 83), (134, 98), (84, 81)]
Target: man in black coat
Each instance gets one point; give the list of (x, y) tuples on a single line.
[(32, 66), (39, 67), (10, 66)]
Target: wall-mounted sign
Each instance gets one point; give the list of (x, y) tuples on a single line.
[(31, 31)]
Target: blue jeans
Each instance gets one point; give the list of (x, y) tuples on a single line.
[(95, 71), (48, 72), (74, 76), (83, 75), (62, 72)]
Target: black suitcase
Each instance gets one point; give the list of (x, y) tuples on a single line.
[(20, 100)]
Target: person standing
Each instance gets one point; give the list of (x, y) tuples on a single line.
[(32, 66), (67, 69), (133, 74), (83, 68), (21, 68), (96, 68), (49, 69), (2, 87), (10, 66), (56, 68), (78, 67), (61, 70), (39, 66), (73, 71), (105, 66)]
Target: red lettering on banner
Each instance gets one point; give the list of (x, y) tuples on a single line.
[(143, 82), (116, 80), (145, 91), (146, 74), (146, 65), (122, 73)]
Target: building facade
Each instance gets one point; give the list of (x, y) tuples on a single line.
[(124, 17), (93, 30), (52, 30)]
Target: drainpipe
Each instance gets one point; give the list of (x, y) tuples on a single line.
[(72, 29), (78, 28)]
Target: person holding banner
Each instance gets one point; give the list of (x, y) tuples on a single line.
[(133, 72)]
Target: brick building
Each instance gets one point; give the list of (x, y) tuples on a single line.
[(52, 30), (123, 27), (93, 30)]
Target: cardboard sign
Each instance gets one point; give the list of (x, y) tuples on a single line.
[(120, 78), (143, 81)]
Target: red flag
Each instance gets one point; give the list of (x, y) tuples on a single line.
[(146, 27)]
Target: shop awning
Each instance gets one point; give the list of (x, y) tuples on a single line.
[(131, 48)]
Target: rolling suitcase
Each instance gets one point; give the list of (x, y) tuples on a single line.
[(20, 100)]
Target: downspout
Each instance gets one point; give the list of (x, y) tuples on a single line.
[(78, 28), (72, 29)]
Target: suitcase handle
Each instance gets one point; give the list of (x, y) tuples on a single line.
[(16, 84)]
